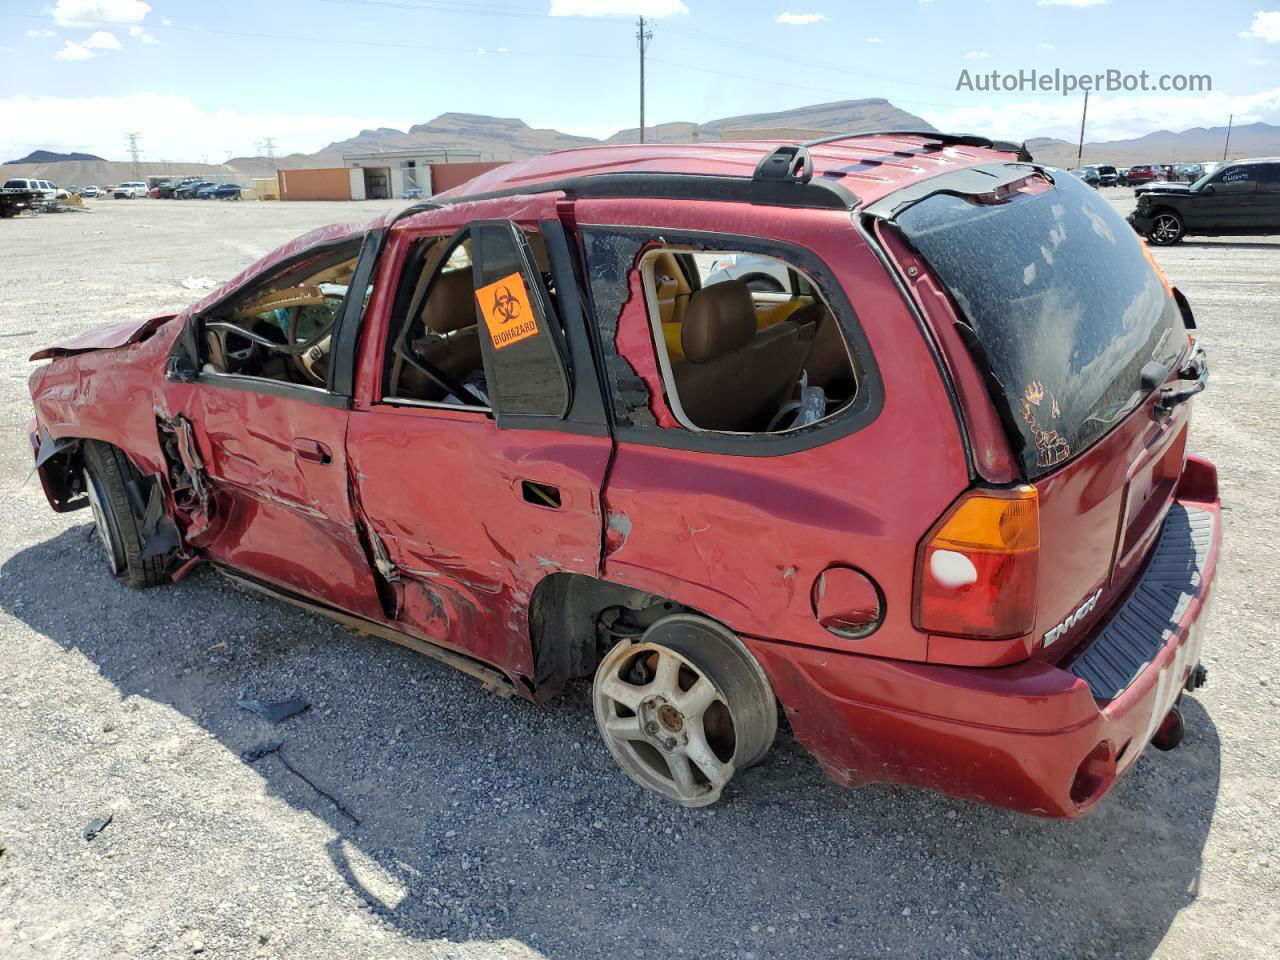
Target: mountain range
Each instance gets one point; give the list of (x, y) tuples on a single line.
[(507, 138)]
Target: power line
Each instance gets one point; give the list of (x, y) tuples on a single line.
[(643, 36)]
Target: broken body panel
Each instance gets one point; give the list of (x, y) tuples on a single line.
[(415, 521)]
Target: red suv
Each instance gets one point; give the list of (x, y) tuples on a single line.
[(1144, 173), (926, 489)]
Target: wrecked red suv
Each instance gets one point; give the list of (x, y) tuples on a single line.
[(889, 430)]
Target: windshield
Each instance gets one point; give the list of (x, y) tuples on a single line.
[(1064, 306), (1203, 180)]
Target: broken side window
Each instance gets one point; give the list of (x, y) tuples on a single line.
[(280, 328), (744, 341)]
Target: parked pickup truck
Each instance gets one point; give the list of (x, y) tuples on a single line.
[(931, 502), (18, 195)]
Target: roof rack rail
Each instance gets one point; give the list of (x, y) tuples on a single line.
[(954, 139)]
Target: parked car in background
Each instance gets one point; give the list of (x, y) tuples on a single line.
[(170, 190), (187, 191), (18, 194), (220, 191), (154, 193), (1143, 173), (129, 190), (1108, 175), (1239, 199), (976, 563), (91, 192), (1088, 174)]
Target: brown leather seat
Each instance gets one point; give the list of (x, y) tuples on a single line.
[(731, 378), (452, 341), (828, 364)]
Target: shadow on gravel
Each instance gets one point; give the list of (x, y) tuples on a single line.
[(483, 819)]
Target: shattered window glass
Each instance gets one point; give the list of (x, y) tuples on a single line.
[(1064, 306), (610, 257)]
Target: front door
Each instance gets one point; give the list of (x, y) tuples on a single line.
[(270, 434), (478, 470), (1230, 208)]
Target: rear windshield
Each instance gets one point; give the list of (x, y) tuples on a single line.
[(1064, 306)]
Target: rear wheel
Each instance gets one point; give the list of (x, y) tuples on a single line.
[(1166, 228), (684, 708), (107, 472)]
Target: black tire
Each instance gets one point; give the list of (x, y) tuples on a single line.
[(107, 473), (1166, 229)]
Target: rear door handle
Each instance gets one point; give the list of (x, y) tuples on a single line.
[(313, 451)]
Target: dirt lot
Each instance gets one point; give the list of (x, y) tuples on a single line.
[(427, 818)]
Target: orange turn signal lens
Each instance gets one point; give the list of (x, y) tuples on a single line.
[(976, 574)]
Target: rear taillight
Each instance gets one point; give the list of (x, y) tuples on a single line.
[(976, 569)]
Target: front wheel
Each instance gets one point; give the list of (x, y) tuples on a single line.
[(107, 472), (1166, 228), (684, 708)]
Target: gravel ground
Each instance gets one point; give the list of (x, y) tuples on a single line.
[(419, 816)]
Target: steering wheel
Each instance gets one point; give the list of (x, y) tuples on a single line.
[(310, 357)]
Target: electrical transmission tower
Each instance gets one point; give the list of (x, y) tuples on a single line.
[(643, 36), (134, 153), (269, 147)]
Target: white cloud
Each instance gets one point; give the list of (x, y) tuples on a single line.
[(977, 55), (173, 127), (148, 38), (166, 22), (875, 40), (74, 51), (1110, 118), (136, 31), (1258, 62), (89, 13), (799, 19), (1046, 46), (1265, 26), (102, 40), (40, 33), (1069, 3), (617, 8)]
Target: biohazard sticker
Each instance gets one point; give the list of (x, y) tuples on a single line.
[(507, 312)]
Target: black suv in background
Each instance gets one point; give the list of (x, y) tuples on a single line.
[(1240, 198)]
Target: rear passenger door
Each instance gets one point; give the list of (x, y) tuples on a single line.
[(479, 482), (1267, 203)]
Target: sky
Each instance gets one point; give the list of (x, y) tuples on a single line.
[(204, 81)]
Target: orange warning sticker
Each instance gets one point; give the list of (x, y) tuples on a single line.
[(507, 312)]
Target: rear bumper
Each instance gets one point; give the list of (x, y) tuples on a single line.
[(1033, 737)]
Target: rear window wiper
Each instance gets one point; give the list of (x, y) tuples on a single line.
[(1193, 376)]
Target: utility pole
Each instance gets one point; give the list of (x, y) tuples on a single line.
[(643, 36), (1230, 117), (269, 147), (134, 154), (1084, 113)]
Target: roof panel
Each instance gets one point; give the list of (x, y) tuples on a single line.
[(870, 166)]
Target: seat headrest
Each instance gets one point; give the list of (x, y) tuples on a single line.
[(720, 318), (451, 303)]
